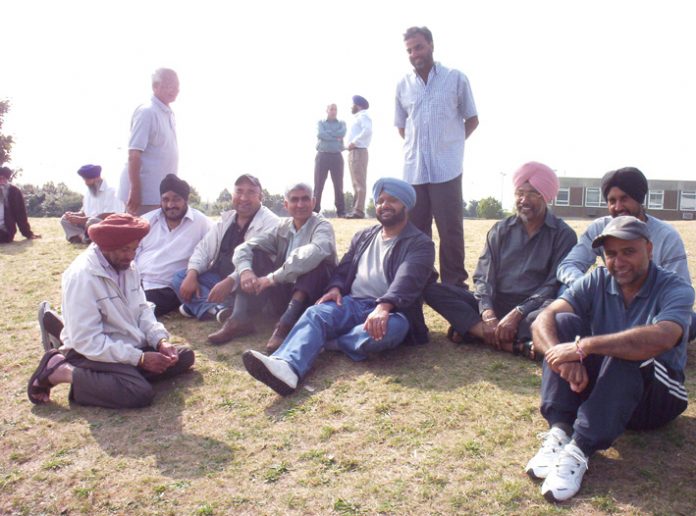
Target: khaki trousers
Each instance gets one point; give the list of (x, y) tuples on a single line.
[(357, 163)]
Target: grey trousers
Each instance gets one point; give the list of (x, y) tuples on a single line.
[(71, 230), (110, 385)]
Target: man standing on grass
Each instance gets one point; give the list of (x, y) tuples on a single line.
[(112, 345), (98, 203), (516, 273), (207, 285), (359, 140), (624, 190), (373, 300), (13, 213), (435, 114), (175, 230), (330, 133), (288, 266), (614, 346), (153, 151)]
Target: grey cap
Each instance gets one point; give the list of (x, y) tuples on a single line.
[(625, 227)]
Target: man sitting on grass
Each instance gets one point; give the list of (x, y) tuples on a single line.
[(516, 273), (288, 266), (373, 301), (112, 345), (614, 345)]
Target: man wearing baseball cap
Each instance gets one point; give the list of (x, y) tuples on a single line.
[(373, 300), (112, 345), (614, 348)]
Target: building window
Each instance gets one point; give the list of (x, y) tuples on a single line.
[(563, 197), (687, 201), (656, 199), (593, 197)]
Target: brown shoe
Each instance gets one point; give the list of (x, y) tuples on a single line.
[(230, 330), (281, 331)]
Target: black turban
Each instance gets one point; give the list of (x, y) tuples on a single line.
[(171, 183), (629, 179)]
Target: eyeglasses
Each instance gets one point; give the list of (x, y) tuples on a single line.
[(529, 194)]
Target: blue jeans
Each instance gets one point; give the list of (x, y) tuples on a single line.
[(328, 321), (199, 305)]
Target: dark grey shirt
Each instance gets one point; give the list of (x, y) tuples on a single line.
[(516, 270)]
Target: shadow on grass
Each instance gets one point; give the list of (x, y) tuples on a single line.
[(16, 247), (155, 431), (659, 462)]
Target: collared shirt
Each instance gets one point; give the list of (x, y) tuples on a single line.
[(118, 276), (330, 135), (668, 250), (520, 270), (296, 238), (597, 299), (361, 131), (164, 252), (104, 202), (433, 117), (153, 131)]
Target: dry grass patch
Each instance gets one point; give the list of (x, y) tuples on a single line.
[(439, 429)]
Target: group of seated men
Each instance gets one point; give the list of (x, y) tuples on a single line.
[(613, 344)]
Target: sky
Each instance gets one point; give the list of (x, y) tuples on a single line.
[(584, 87)]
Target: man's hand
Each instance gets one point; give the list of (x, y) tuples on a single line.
[(133, 204), (156, 362), (248, 281), (490, 325), (168, 350), (351, 146), (561, 354), (221, 290), (377, 321), (507, 328), (332, 295), (190, 286), (262, 284), (575, 374), (76, 218)]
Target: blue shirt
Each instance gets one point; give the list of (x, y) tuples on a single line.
[(664, 296), (432, 116)]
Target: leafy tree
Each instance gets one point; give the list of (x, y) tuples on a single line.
[(6, 141), (275, 203), (370, 211), (223, 202), (471, 209), (489, 208), (50, 200)]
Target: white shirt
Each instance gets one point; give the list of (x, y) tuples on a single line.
[(163, 253), (361, 130), (104, 202)]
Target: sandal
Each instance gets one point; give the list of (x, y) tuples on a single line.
[(41, 375), (454, 335)]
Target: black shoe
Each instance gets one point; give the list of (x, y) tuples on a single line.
[(355, 216)]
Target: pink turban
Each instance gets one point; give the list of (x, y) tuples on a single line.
[(541, 177)]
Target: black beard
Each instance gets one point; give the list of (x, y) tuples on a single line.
[(397, 219)]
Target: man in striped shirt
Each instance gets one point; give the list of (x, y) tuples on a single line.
[(614, 348), (435, 114)]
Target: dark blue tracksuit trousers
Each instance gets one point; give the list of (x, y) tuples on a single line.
[(621, 394)]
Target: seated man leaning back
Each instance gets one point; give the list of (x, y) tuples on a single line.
[(373, 302), (516, 273), (288, 266), (614, 346), (207, 285), (112, 345), (175, 230), (624, 190)]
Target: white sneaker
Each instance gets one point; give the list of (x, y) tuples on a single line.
[(539, 466), (185, 312), (274, 372), (564, 479)]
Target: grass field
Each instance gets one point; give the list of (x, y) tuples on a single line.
[(436, 429)]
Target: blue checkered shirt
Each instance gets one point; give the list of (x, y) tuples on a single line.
[(433, 117)]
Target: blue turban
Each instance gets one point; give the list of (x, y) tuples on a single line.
[(361, 101), (397, 188), (90, 171)]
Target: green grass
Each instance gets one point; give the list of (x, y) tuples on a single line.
[(438, 429)]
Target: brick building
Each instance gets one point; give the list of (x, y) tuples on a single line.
[(668, 200)]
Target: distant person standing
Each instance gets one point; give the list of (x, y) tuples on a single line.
[(152, 150), (358, 141), (435, 114), (13, 213), (330, 133)]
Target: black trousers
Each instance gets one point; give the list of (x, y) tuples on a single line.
[(324, 163), (165, 300)]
